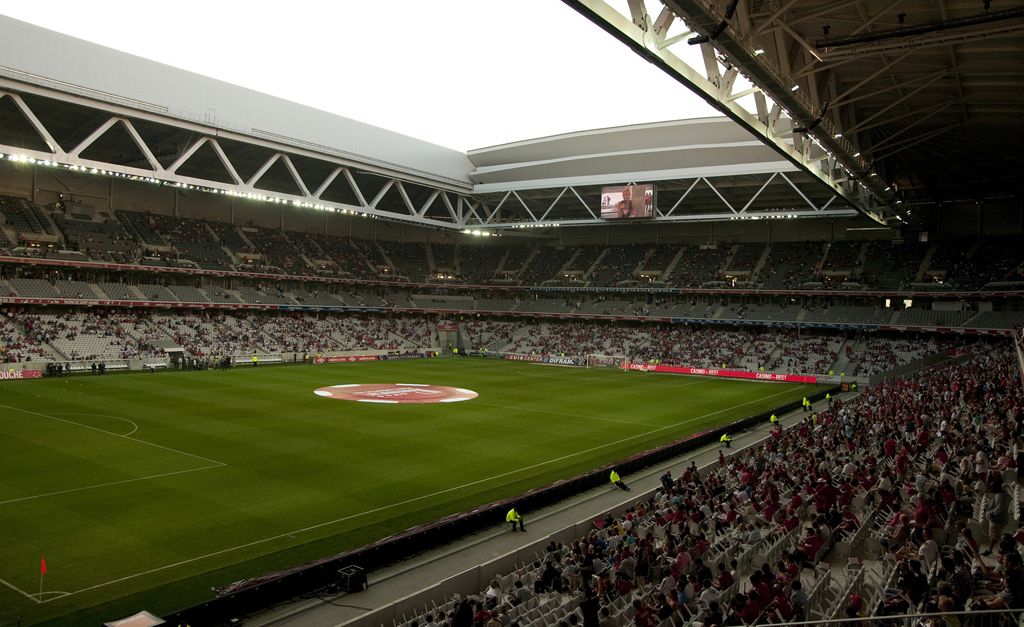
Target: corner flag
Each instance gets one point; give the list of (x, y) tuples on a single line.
[(42, 571)]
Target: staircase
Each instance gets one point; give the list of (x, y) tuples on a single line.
[(760, 264), (593, 266), (431, 264), (925, 262), (672, 264)]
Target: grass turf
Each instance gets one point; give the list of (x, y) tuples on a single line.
[(144, 490)]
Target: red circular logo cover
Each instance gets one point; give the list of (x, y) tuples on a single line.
[(393, 393)]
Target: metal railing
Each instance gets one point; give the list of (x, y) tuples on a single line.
[(973, 618)]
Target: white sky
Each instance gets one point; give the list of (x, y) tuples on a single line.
[(459, 73)]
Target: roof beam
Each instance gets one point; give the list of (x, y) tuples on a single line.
[(742, 49), (934, 78), (918, 120)]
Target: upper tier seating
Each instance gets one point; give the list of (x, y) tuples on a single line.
[(790, 265), (410, 260), (142, 226), (889, 266)]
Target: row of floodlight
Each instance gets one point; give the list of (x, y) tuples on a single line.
[(17, 158), (538, 225), (767, 216)]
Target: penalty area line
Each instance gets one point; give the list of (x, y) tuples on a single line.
[(116, 435), (107, 484), (414, 499), (135, 427)]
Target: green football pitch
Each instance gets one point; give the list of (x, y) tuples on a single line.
[(144, 490)]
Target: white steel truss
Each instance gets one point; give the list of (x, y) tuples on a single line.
[(445, 207), (732, 73), (515, 211), (439, 206)]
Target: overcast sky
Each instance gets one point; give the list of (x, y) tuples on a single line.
[(460, 73)]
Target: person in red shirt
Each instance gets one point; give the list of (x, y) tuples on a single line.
[(846, 492), (810, 545), (850, 523), (763, 587), (783, 604), (824, 496), (643, 615), (791, 522), (622, 585), (751, 609), (796, 501), (724, 579), (902, 459), (702, 545)]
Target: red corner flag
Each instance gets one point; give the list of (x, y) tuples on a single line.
[(42, 565)]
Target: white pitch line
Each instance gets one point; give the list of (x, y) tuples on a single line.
[(135, 427), (110, 483), (414, 499), (30, 597), (116, 435)]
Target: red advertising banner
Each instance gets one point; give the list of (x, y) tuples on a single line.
[(13, 375), (732, 374)]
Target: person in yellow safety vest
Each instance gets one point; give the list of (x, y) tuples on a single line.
[(774, 420), (255, 360), (725, 440), (814, 418), (617, 481), (807, 404), (853, 386), (513, 517), (831, 372), (828, 397)]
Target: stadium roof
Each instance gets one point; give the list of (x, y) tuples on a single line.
[(40, 57), (867, 129), (917, 101), (705, 169)]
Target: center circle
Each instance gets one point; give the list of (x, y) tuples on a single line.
[(393, 393)]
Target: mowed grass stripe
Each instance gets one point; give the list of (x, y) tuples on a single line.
[(35, 444), (296, 461)]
